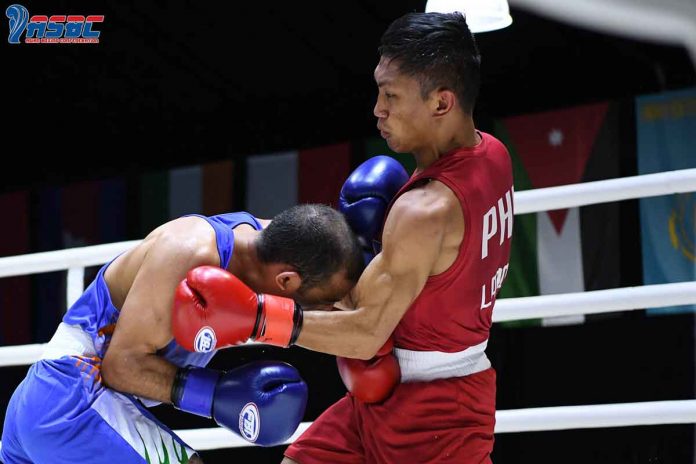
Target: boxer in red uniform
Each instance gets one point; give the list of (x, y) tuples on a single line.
[(431, 289)]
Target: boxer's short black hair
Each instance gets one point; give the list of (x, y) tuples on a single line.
[(314, 239), (439, 50)]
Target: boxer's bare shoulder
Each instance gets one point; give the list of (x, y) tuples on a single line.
[(434, 205), (185, 239)]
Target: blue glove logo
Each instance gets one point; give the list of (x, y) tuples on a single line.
[(205, 340), (249, 422)]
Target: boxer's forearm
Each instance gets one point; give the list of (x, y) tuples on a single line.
[(339, 333), (141, 374), (381, 298), (358, 333)]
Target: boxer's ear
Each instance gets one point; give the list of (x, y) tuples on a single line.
[(443, 101), (288, 282)]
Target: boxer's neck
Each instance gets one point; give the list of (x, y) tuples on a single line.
[(258, 275), (448, 136), (244, 262)]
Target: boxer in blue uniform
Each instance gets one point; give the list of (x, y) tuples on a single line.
[(114, 351)]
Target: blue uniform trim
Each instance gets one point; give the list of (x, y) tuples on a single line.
[(223, 225)]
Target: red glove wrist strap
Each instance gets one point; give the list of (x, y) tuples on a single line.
[(280, 321)]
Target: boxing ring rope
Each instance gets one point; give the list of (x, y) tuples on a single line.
[(508, 309), (513, 421), (605, 191), (74, 260), (510, 421), (595, 302)]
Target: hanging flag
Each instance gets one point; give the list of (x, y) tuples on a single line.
[(271, 183), (666, 126), (218, 187), (92, 213), (112, 210), (185, 191), (154, 201), (15, 292), (570, 250), (322, 172), (201, 189), (79, 212), (48, 288)]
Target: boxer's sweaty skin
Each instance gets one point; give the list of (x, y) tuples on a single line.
[(142, 283), (421, 238)]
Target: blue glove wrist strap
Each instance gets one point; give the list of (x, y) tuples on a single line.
[(193, 390)]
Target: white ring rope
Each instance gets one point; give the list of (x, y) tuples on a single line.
[(528, 201), (595, 302), (513, 420), (75, 284), (21, 355), (507, 309), (605, 191), (60, 260), (520, 420), (510, 421), (596, 416)]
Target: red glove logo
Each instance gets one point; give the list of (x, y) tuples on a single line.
[(205, 340)]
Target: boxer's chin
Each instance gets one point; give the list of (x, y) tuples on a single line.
[(396, 146)]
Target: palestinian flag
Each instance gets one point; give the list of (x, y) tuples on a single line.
[(569, 250)]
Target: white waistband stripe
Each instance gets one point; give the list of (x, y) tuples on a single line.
[(423, 366)]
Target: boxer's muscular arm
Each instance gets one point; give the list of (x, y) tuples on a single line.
[(411, 243), (144, 324)]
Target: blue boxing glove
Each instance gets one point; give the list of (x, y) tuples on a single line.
[(263, 401), (366, 194)]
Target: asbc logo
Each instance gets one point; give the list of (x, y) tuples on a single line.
[(42, 29)]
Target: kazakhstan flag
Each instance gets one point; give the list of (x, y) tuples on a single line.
[(666, 130)]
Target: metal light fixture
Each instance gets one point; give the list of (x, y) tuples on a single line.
[(481, 15)]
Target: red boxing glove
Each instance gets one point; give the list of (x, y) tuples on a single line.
[(374, 380), (214, 309)]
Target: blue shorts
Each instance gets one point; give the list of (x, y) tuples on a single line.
[(62, 413)]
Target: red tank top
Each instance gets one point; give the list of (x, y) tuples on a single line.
[(453, 311)]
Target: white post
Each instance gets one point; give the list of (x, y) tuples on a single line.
[(76, 284)]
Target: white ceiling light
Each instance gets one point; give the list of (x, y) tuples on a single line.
[(481, 15)]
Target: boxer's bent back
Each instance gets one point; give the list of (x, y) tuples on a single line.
[(63, 413)]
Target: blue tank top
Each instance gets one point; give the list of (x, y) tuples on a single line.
[(96, 315)]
